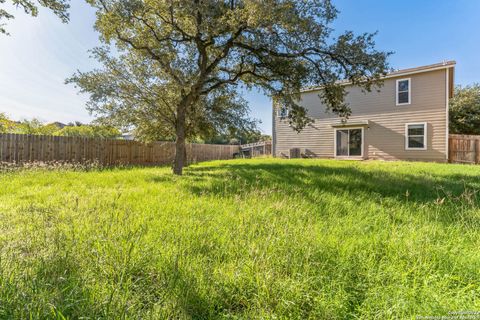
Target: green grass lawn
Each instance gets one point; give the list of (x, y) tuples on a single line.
[(241, 239)]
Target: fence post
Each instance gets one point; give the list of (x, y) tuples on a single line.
[(450, 149), (477, 151)]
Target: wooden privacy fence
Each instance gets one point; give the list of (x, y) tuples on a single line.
[(464, 148), (20, 148)]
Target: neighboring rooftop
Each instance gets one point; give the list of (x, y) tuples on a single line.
[(60, 125), (402, 72)]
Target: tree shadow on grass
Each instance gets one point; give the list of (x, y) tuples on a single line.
[(241, 179), (307, 181)]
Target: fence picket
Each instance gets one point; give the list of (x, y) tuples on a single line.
[(464, 148)]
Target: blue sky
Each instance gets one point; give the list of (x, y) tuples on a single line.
[(42, 52)]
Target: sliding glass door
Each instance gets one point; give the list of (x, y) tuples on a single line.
[(349, 142)]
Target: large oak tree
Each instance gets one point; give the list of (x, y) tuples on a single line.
[(177, 60), (132, 92)]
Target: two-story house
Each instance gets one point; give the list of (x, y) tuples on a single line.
[(407, 119)]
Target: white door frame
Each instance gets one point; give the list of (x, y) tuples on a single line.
[(335, 142)]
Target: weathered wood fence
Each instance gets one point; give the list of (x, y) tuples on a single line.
[(464, 148), (20, 148)]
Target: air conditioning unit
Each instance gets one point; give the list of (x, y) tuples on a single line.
[(295, 153)]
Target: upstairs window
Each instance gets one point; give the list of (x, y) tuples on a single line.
[(282, 112), (403, 92), (416, 136)]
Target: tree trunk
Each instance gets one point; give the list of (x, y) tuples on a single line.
[(180, 147)]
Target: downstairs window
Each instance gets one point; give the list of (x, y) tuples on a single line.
[(416, 136)]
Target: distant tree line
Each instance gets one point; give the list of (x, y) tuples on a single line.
[(76, 129), (465, 110), (241, 138)]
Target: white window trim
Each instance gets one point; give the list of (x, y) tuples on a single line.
[(409, 91), (335, 143), (425, 132)]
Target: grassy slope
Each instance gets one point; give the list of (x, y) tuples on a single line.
[(242, 239)]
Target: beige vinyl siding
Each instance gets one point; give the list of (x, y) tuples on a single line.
[(385, 136)]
